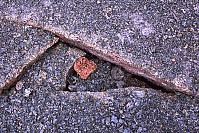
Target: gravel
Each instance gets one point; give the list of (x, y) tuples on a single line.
[(106, 76), (157, 40), (51, 70), (117, 110), (20, 46)]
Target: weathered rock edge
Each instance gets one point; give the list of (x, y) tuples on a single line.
[(127, 66), (133, 69), (24, 69), (29, 64)]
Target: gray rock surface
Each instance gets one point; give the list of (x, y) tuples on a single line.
[(157, 40), (116, 110), (20, 46), (51, 70)]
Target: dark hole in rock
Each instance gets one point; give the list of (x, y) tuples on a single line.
[(106, 76)]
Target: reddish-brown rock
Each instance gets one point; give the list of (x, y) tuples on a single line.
[(84, 67)]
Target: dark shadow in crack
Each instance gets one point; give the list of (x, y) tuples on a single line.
[(107, 76)]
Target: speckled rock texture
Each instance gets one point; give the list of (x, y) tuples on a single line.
[(117, 110), (84, 67), (106, 76), (51, 70), (20, 46), (157, 40)]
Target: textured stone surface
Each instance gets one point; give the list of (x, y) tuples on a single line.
[(103, 78), (20, 46), (84, 67), (122, 110), (52, 69), (158, 40)]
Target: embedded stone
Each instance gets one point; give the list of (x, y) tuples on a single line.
[(84, 67)]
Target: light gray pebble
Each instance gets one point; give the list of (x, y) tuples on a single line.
[(139, 130), (19, 85), (130, 105), (114, 119), (120, 121), (72, 87), (120, 84), (139, 94), (107, 121), (27, 92)]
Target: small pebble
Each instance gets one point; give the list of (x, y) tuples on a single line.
[(114, 119), (120, 84), (72, 87), (139, 94), (19, 85), (117, 73), (27, 92)]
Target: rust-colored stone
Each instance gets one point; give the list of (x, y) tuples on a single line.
[(84, 67)]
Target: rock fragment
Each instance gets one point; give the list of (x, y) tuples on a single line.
[(84, 67), (27, 92), (19, 85), (120, 84), (102, 79)]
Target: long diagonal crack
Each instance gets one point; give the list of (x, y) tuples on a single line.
[(21, 46), (24, 69), (106, 76), (164, 85), (133, 69)]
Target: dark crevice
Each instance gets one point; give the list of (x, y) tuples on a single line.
[(122, 63), (70, 73), (161, 83), (128, 79)]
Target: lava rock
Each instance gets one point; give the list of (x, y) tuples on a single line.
[(84, 67), (21, 45)]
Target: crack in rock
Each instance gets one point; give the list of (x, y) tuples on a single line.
[(141, 43), (21, 46)]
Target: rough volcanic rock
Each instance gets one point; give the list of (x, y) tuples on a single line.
[(84, 67), (51, 70), (20, 46), (117, 110), (157, 40)]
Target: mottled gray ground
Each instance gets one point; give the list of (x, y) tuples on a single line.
[(51, 71), (159, 40), (20, 46), (117, 110)]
